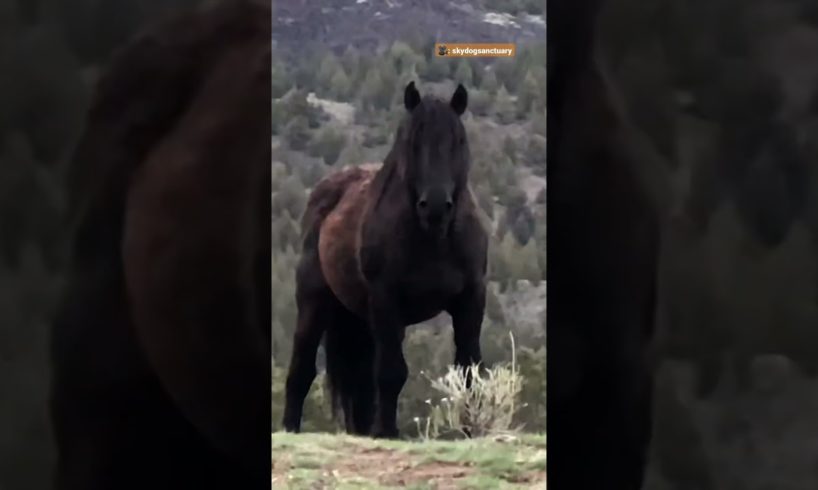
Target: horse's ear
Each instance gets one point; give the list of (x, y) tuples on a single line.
[(460, 99), (411, 96)]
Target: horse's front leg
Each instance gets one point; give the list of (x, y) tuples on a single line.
[(467, 321), (390, 366)]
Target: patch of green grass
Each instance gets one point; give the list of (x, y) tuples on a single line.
[(357, 484), (420, 486), (504, 461), (302, 475), (485, 482), (346, 462)]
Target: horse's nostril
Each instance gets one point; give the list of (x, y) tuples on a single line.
[(422, 204), (449, 204)]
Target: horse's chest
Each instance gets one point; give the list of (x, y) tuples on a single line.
[(426, 290)]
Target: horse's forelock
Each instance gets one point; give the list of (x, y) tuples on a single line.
[(432, 113)]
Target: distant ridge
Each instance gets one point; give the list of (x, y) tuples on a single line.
[(366, 24)]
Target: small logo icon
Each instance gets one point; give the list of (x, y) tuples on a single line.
[(442, 50)]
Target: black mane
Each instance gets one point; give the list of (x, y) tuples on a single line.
[(432, 116)]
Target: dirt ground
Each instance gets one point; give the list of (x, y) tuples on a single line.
[(323, 461)]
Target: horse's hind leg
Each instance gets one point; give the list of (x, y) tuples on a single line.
[(312, 320), (359, 409), (314, 300)]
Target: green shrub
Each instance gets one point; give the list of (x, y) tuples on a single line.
[(328, 144), (504, 106), (296, 133), (487, 408), (480, 102)]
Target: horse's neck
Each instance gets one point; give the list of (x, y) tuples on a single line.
[(387, 179)]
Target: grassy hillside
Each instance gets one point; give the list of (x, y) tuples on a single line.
[(329, 461)]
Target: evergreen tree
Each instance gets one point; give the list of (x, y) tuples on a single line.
[(291, 198), (285, 231), (477, 71), (504, 178), (536, 152), (505, 70), (528, 95), (372, 90), (330, 66), (479, 103), (463, 73), (504, 106), (297, 105), (408, 75), (534, 7), (510, 148), (437, 69), (328, 144), (279, 174), (351, 62), (490, 83), (340, 86), (403, 56), (296, 133), (278, 114), (352, 154), (539, 122), (390, 89), (280, 80)]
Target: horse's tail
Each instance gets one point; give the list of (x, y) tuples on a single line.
[(350, 358)]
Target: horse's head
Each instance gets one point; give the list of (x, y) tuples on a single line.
[(434, 156)]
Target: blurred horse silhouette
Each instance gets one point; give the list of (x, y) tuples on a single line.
[(161, 347), (385, 248), (603, 249)]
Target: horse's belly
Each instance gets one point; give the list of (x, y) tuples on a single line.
[(415, 310)]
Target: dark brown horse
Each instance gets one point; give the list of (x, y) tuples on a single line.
[(383, 249), (603, 251), (160, 351)]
